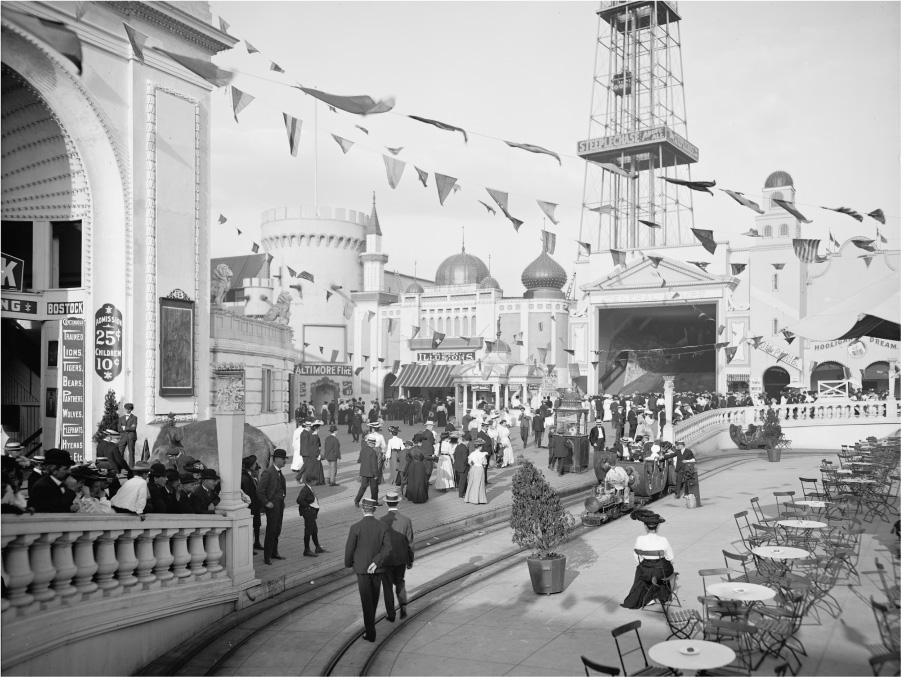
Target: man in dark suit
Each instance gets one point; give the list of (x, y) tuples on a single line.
[(367, 547), (400, 535), (49, 493), (370, 472), (461, 464), (272, 490), (157, 489), (128, 433), (249, 487), (205, 497), (109, 446), (538, 424), (597, 438), (487, 444)]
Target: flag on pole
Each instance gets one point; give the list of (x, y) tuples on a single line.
[(204, 69), (423, 176), (548, 241), (441, 125), (806, 250), (437, 339), (345, 144), (705, 237), (535, 149), (857, 216), (700, 186), (395, 169), (304, 275), (240, 101), (292, 126), (444, 184), (137, 40), (584, 248), (790, 208), (548, 208), (619, 257), (742, 200), (738, 268), (222, 218), (878, 215), (730, 353)]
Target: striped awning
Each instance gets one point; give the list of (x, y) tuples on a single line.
[(738, 378), (425, 376)]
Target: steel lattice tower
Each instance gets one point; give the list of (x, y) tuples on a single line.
[(637, 131)]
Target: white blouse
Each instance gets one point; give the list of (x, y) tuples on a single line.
[(653, 542)]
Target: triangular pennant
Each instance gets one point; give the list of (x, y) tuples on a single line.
[(542, 354), (742, 200), (437, 339), (548, 208), (292, 126), (584, 248), (701, 264), (754, 340), (878, 215), (737, 268), (864, 243), (594, 364), (491, 209), (380, 359), (444, 184), (275, 67), (867, 259), (334, 356), (366, 358), (806, 250), (322, 350), (655, 260), (204, 69), (730, 353), (395, 169), (423, 176), (499, 196), (328, 294), (516, 222), (569, 351), (778, 266), (441, 125), (489, 346), (222, 218), (361, 104), (457, 187), (255, 248), (414, 331), (789, 336), (370, 314), (362, 129), (535, 149), (618, 256), (306, 276), (346, 144), (881, 237), (650, 224), (705, 237), (857, 216), (137, 40), (239, 231), (250, 48), (548, 241), (700, 186), (223, 25), (394, 151), (602, 209), (790, 208), (81, 9), (720, 330), (357, 371), (350, 356)]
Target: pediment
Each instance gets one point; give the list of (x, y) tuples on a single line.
[(642, 274)]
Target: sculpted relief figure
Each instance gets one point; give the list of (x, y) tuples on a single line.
[(220, 284), (280, 311)]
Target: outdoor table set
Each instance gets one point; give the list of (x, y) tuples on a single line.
[(691, 654)]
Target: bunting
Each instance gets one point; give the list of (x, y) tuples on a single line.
[(201, 68), (570, 351), (705, 237), (742, 200), (250, 48), (548, 241), (867, 259), (701, 264), (304, 275), (415, 329), (650, 224), (790, 208), (334, 356), (535, 149), (223, 25), (255, 248), (328, 294), (752, 233), (542, 354), (444, 184), (366, 358), (881, 237), (322, 350), (394, 151), (738, 268), (730, 353), (720, 344), (787, 335), (222, 218), (381, 360), (345, 144), (350, 356), (864, 243), (833, 241), (441, 125), (857, 216), (81, 9), (618, 256), (655, 260), (56, 34), (491, 209), (137, 40), (362, 129), (423, 176), (806, 250), (878, 215), (584, 248), (275, 67), (292, 126), (394, 169), (357, 371), (602, 209), (548, 208), (720, 330), (754, 340), (501, 198), (700, 186), (778, 266), (437, 339), (395, 367), (595, 363), (291, 271), (358, 105)]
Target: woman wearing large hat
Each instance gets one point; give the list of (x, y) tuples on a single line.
[(649, 585)]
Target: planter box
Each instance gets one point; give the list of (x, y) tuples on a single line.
[(547, 575)]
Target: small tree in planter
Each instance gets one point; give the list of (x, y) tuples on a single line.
[(539, 522), (772, 432), (110, 414)]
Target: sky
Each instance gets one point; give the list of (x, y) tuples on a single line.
[(812, 88)]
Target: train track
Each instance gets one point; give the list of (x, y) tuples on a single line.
[(228, 640)]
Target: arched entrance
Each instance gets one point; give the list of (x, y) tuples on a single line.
[(323, 391), (388, 389), (827, 371), (774, 380), (875, 377)]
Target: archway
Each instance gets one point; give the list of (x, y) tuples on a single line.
[(827, 371), (388, 389), (875, 377), (774, 380)]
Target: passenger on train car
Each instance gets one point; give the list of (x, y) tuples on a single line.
[(619, 479)]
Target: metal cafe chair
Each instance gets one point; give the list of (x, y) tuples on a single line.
[(888, 628), (786, 508), (621, 632), (682, 623), (748, 539), (589, 664), (737, 636), (758, 512)]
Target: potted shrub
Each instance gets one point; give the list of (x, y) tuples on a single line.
[(772, 432), (539, 522)]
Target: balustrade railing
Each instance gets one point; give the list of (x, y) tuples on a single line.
[(52, 561)]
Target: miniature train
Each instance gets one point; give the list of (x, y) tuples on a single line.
[(648, 481)]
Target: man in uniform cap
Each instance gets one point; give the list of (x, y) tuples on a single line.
[(367, 547), (157, 488), (400, 535), (370, 471), (49, 493), (272, 490), (461, 464)]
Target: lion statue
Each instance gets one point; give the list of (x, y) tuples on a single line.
[(220, 284), (280, 311)]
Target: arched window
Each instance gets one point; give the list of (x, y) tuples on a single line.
[(440, 325), (774, 380), (457, 326), (783, 230), (875, 377), (768, 231), (827, 371)]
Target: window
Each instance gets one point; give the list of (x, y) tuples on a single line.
[(775, 281), (17, 239), (783, 230), (775, 326), (768, 231), (66, 268), (266, 394)]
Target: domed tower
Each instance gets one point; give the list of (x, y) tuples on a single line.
[(544, 278), (462, 268), (776, 222), (325, 242)]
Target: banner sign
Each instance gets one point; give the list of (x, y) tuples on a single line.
[(72, 377), (324, 370), (445, 356), (19, 306), (65, 308), (108, 342), (13, 271), (627, 140)]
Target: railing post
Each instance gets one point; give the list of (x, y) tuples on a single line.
[(198, 553), (42, 567), (107, 564), (18, 571), (85, 563), (125, 555), (146, 559), (64, 564), (162, 552), (180, 555)]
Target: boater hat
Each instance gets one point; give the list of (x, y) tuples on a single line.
[(392, 498), (375, 425), (369, 504)]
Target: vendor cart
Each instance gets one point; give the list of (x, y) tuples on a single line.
[(570, 438)]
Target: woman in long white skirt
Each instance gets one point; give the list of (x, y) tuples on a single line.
[(445, 475), (503, 440), (475, 487)]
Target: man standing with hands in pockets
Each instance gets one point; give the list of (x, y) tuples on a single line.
[(271, 491), (367, 547)]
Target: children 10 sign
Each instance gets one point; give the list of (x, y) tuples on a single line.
[(108, 342)]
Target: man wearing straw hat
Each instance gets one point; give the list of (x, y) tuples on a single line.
[(366, 549)]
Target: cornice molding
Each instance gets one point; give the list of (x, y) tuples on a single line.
[(169, 17)]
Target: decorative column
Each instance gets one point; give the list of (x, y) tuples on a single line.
[(892, 377), (668, 435), (229, 412)]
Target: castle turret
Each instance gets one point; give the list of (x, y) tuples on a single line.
[(373, 259)]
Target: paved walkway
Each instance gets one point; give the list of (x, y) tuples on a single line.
[(495, 624)]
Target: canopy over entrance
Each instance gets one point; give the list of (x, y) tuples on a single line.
[(425, 376)]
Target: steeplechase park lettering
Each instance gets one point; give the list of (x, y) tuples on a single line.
[(638, 137), (71, 403), (790, 360), (108, 342), (446, 356), (19, 306), (325, 370), (12, 269)]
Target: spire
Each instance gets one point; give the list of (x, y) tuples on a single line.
[(463, 239), (374, 228)]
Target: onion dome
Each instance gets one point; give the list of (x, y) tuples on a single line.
[(461, 268), (489, 283), (414, 288), (778, 179), (544, 273)]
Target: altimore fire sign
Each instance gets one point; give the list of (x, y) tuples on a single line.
[(325, 370)]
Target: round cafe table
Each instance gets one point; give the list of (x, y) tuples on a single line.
[(844, 471), (780, 552), (856, 480), (691, 654), (802, 524), (813, 504), (741, 592)]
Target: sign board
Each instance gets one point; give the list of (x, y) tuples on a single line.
[(19, 306), (72, 381), (324, 370), (65, 308), (446, 356), (628, 140), (755, 385), (12, 269), (108, 342)]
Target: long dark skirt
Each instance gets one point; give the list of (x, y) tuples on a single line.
[(643, 589)]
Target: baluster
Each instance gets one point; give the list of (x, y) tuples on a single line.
[(65, 565), (86, 564), (42, 567), (180, 555), (146, 561), (125, 554), (107, 564), (164, 558), (18, 572), (4, 602), (198, 554), (214, 552)]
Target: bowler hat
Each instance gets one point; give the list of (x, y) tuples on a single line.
[(279, 453), (157, 470), (248, 461), (172, 475), (208, 474), (58, 457), (186, 478)]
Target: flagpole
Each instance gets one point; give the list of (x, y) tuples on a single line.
[(315, 156)]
